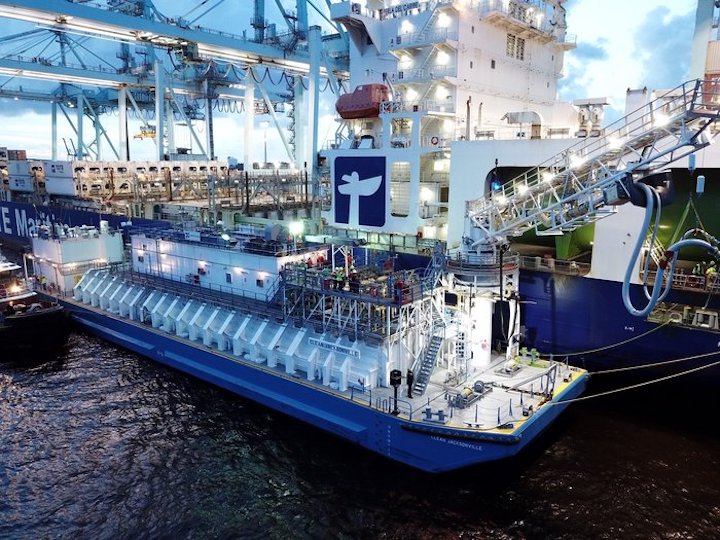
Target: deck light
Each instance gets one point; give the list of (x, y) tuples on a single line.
[(615, 143), (661, 120), (296, 228), (576, 161)]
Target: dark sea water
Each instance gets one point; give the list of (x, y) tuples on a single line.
[(100, 443)]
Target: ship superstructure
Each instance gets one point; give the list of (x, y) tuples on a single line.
[(454, 71)]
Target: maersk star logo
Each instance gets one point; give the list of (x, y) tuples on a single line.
[(360, 191), (357, 188)]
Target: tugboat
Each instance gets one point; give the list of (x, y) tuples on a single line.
[(29, 326)]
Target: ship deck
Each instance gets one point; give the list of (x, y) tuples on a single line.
[(507, 399), (452, 399)]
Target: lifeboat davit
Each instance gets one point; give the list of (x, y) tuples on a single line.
[(363, 102)]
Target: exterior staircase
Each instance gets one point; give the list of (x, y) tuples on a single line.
[(422, 377), (655, 249), (434, 270)]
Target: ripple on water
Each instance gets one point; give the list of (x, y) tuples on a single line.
[(100, 443)]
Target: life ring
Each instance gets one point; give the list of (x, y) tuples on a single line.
[(434, 141)]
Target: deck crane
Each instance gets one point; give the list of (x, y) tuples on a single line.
[(581, 185)]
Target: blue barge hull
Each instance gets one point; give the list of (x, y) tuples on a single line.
[(426, 446)]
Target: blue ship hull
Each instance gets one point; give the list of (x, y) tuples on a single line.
[(432, 448), (570, 314), (19, 221)]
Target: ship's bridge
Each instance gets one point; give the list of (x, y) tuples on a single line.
[(528, 21)]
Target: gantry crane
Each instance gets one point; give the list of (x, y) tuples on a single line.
[(208, 65)]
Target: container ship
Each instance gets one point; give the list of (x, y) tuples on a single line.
[(473, 150)]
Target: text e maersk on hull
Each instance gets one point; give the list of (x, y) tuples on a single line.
[(21, 225)]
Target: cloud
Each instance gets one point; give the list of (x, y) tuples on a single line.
[(588, 51), (626, 45), (665, 61)]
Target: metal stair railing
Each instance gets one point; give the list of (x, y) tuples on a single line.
[(422, 377), (420, 63), (581, 184), (434, 270), (414, 38), (438, 324), (656, 250), (422, 33)]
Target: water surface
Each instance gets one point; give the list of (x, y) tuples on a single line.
[(100, 443)]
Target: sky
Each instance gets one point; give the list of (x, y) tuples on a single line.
[(621, 44), (626, 44)]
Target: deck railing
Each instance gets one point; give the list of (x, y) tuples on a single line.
[(558, 266), (372, 285), (9, 290), (681, 280), (218, 295)]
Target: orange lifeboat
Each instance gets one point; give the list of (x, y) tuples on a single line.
[(363, 102)]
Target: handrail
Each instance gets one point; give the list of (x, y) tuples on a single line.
[(558, 266), (17, 290), (221, 296), (567, 190)]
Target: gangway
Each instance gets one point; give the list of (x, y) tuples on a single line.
[(583, 183)]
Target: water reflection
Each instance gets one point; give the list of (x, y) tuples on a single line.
[(100, 443)]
